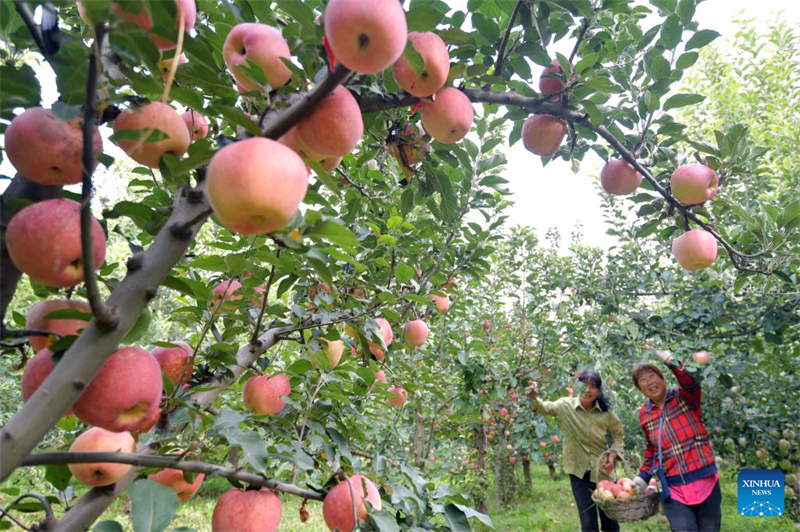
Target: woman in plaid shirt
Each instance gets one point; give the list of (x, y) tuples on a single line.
[(678, 449)]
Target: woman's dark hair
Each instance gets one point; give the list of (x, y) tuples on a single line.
[(594, 378)]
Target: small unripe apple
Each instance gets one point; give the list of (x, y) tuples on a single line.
[(449, 118), (742, 441), (175, 362), (619, 177), (695, 249), (338, 507), (542, 134), (437, 65), (196, 124), (152, 121), (701, 357), (247, 511), (47, 150), (400, 396), (256, 185), (415, 332), (263, 47), (761, 454), (261, 394), (44, 241), (124, 393), (366, 37), (694, 183), (103, 473), (37, 320)]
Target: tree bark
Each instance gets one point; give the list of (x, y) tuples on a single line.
[(526, 470), (419, 440), (481, 443)]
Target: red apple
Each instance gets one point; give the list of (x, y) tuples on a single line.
[(36, 371), (366, 37), (761, 454), (619, 177), (338, 506), (437, 65), (247, 511), (333, 349), (176, 362), (503, 412), (386, 330), (542, 134), (196, 124), (442, 302), (695, 249), (185, 8), (551, 85), (701, 357), (37, 320), (263, 46), (261, 395), (487, 325), (449, 118), (292, 140), (152, 121), (44, 241), (104, 473), (227, 291), (400, 396), (165, 65), (415, 332), (124, 393), (380, 376), (694, 183), (256, 185), (334, 127), (47, 150), (173, 478)]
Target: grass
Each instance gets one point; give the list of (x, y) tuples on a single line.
[(548, 506)]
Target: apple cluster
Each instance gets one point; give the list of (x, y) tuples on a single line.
[(621, 490)]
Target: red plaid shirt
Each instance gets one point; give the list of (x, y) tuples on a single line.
[(685, 446)]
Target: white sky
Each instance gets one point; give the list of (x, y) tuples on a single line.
[(554, 196)]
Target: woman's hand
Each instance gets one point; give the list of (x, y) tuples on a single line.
[(639, 484), (531, 391), (608, 462), (664, 356)]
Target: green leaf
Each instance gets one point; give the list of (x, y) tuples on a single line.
[(71, 66), (686, 60), (154, 506), (58, 475), (470, 513), (403, 273), (686, 10), (423, 17), (19, 88), (383, 520), (335, 232), (457, 519), (682, 100), (586, 62), (657, 68), (139, 328), (108, 526), (648, 228), (671, 32), (415, 61), (486, 27), (701, 38)]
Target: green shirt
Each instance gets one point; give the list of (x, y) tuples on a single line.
[(584, 433)]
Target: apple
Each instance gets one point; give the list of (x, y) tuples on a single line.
[(386, 330), (619, 177), (47, 150), (449, 118), (554, 438), (442, 302), (542, 134), (694, 183), (415, 332), (103, 473), (784, 444), (152, 121), (124, 393), (742, 441), (761, 454), (551, 85), (788, 434), (227, 291), (512, 459), (380, 376), (334, 350), (263, 46), (542, 444), (37, 320), (701, 357), (695, 249), (503, 412), (437, 65), (334, 127), (256, 185), (350, 331), (247, 511), (44, 241), (196, 124), (261, 395), (400, 396), (165, 65), (176, 362), (36, 371), (338, 508), (623, 495), (292, 140), (173, 478), (729, 444), (662, 519), (186, 8), (410, 150), (366, 37), (487, 325)]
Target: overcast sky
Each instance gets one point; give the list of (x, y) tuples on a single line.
[(554, 196)]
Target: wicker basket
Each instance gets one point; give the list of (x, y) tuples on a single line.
[(632, 509)]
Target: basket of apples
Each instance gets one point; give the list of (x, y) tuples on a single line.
[(622, 502)]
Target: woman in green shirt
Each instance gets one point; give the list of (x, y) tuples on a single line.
[(587, 421)]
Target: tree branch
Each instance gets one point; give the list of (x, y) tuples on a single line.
[(36, 31), (498, 67), (584, 27), (24, 333), (173, 462), (104, 316)]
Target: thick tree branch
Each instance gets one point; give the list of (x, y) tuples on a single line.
[(173, 462), (501, 53), (104, 316)]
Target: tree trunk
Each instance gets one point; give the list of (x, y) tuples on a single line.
[(552, 468), (526, 469), (419, 440), (481, 443)]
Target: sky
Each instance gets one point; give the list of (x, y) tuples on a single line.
[(554, 196)]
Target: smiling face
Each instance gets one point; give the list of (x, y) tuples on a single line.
[(652, 386), (588, 393)]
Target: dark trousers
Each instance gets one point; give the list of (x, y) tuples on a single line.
[(582, 490), (703, 517)]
